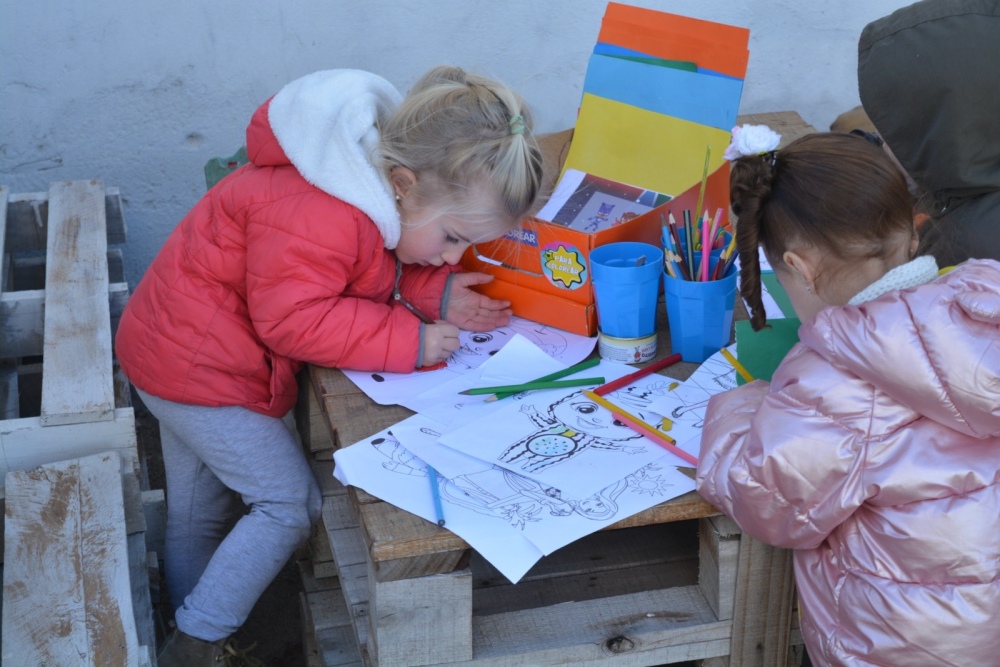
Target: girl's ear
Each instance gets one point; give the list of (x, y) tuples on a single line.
[(802, 267), (403, 181)]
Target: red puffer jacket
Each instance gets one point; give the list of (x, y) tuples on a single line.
[(267, 272)]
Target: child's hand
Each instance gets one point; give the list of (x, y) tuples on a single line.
[(473, 311), (440, 340)]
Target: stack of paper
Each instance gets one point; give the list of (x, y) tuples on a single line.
[(660, 89), (523, 476)]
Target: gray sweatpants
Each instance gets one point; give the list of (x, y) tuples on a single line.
[(218, 462)]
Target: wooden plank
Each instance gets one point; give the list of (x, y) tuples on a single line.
[(423, 621), (4, 198), (719, 556), (77, 383), (762, 614), (26, 444), (67, 598), (404, 546), (649, 628), (27, 218), (154, 509), (312, 427), (9, 395)]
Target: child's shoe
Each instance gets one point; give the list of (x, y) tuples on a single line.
[(181, 650)]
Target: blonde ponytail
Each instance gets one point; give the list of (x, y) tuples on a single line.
[(464, 130)]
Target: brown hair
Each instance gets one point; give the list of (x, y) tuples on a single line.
[(831, 191), (462, 130)]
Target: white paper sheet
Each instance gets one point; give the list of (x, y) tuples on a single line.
[(384, 468), (476, 348), (499, 501), (559, 439)]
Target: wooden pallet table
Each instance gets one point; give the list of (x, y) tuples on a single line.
[(678, 582)]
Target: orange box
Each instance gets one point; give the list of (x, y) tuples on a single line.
[(543, 268)]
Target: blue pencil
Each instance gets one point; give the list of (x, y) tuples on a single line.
[(436, 495)]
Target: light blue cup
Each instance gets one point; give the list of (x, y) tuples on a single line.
[(626, 278), (700, 314)]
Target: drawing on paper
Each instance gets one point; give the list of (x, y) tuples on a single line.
[(572, 425)]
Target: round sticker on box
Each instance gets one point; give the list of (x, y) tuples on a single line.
[(564, 266)]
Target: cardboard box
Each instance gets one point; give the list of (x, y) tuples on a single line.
[(543, 268)]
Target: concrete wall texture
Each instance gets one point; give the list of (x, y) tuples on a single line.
[(141, 94)]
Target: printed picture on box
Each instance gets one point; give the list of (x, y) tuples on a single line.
[(590, 203)]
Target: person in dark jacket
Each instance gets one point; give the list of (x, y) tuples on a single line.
[(929, 79)]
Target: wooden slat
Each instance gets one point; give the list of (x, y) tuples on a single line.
[(22, 319), (422, 621), (648, 628), (67, 598), (25, 443), (718, 554), (27, 217), (762, 611), (77, 381), (4, 197)]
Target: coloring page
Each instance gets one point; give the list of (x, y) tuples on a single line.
[(560, 439), (384, 468), (483, 501), (519, 361), (685, 405), (476, 347)]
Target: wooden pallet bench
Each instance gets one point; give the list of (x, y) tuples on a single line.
[(61, 292)]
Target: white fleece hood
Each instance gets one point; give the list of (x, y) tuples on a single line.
[(325, 122)]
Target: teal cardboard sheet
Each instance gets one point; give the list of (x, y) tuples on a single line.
[(760, 352)]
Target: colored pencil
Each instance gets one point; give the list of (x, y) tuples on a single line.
[(689, 242), (641, 427), (744, 373), (669, 254), (529, 386), (626, 380), (558, 375), (424, 317), (704, 182), (675, 235), (436, 495), (656, 436), (706, 247)]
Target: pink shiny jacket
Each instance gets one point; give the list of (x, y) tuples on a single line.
[(875, 454), (268, 271)]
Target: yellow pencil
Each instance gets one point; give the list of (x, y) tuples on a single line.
[(641, 427), (744, 373)]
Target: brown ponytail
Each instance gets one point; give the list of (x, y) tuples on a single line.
[(834, 192)]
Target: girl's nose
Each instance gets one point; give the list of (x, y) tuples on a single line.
[(454, 255)]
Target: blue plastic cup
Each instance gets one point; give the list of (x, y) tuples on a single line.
[(626, 278), (700, 314)]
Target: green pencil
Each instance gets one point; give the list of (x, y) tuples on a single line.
[(558, 375), (528, 386)]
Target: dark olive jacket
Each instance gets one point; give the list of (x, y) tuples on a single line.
[(929, 79)]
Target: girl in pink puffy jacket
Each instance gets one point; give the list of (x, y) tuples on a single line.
[(336, 245), (874, 452)]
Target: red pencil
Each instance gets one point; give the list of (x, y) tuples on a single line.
[(632, 377)]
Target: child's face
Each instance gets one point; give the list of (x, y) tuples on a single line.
[(431, 237)]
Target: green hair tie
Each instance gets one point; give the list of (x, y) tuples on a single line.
[(516, 124)]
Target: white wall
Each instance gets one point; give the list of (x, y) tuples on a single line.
[(142, 93)]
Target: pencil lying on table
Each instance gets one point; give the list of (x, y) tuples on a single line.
[(744, 373), (605, 389), (529, 386), (558, 375)]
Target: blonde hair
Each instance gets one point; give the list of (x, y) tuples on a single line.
[(458, 131)]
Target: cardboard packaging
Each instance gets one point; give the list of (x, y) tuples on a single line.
[(543, 268)]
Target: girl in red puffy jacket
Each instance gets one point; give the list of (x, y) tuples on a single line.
[(336, 245)]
